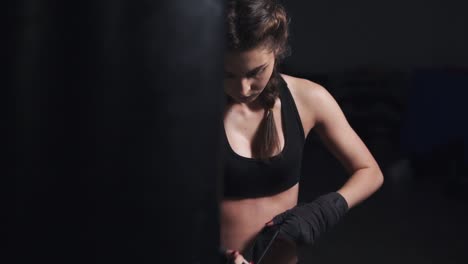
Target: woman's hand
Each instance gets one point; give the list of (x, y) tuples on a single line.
[(234, 257), (305, 223)]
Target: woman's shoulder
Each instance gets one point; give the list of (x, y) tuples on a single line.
[(302, 86), (314, 100), (306, 91), (307, 96)]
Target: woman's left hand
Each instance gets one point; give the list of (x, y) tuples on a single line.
[(305, 223)]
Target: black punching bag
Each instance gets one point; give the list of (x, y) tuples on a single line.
[(113, 120)]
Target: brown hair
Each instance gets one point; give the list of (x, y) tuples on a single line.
[(260, 23)]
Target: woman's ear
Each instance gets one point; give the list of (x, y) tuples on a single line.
[(276, 52)]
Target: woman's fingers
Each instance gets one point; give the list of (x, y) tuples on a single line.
[(230, 252), (236, 257), (239, 259)]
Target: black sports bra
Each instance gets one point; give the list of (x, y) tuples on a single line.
[(249, 177)]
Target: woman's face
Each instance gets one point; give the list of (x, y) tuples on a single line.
[(247, 73)]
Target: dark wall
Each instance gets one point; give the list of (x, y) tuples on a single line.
[(398, 69), (341, 35)]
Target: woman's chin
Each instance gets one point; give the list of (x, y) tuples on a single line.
[(243, 99)]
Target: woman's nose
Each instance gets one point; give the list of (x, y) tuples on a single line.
[(245, 87)]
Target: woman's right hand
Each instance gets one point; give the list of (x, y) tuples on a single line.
[(234, 257)]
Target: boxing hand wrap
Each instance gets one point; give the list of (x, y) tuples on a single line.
[(223, 256), (305, 223)]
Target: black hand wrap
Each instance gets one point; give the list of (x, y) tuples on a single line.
[(224, 257), (305, 223), (263, 242)]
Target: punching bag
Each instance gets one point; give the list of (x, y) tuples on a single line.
[(114, 114)]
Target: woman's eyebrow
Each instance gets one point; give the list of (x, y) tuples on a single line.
[(252, 71), (257, 68)]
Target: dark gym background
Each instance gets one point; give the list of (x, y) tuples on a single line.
[(399, 70), (113, 110)]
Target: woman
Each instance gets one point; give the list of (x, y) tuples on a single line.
[(267, 118)]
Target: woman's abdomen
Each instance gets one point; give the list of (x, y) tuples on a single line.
[(242, 220)]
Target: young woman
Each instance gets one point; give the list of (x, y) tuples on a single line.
[(267, 119)]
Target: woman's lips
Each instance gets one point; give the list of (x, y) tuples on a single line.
[(244, 98)]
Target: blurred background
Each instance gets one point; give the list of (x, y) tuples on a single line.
[(95, 92), (399, 70)]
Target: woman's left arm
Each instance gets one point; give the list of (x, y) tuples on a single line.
[(342, 141), (305, 223)]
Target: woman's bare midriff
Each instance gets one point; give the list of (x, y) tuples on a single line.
[(242, 220)]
